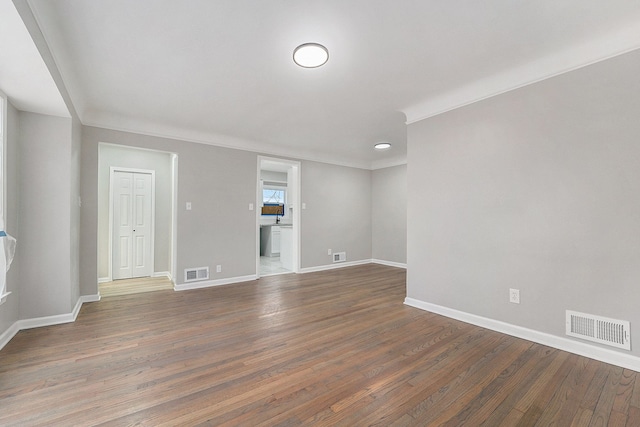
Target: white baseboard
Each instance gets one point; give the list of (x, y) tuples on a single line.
[(162, 274), (334, 266), (210, 283), (90, 298), (390, 263), (582, 349), (37, 322), (154, 274), (8, 334)]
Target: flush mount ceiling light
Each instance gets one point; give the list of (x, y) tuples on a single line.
[(382, 146), (310, 55)]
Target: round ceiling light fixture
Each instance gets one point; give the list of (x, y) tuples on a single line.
[(310, 55), (382, 146)]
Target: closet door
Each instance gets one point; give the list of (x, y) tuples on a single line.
[(132, 214)]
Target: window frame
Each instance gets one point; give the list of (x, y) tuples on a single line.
[(275, 187), (3, 177)]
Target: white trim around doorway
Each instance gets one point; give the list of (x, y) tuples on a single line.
[(294, 167)]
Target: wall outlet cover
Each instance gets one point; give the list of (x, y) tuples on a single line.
[(514, 296)]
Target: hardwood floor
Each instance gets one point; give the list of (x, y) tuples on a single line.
[(323, 349), (134, 286)]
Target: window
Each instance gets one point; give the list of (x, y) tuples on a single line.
[(3, 235), (274, 198), (273, 195), (3, 144)]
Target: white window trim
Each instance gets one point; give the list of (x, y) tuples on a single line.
[(276, 188), (3, 176), (3, 149)]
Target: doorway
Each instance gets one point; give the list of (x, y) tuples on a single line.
[(132, 208), (278, 217), (162, 166)]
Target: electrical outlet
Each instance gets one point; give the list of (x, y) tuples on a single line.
[(328, 251), (188, 206), (218, 269), (514, 296)]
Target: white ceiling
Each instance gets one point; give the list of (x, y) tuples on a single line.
[(221, 72)]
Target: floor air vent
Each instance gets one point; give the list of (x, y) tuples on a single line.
[(603, 330), (193, 274)]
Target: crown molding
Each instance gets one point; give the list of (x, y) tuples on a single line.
[(219, 140), (616, 43), (389, 162)]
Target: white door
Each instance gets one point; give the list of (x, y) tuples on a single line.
[(131, 225)]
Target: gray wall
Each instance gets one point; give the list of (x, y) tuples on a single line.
[(45, 249), (120, 156), (9, 311), (220, 183), (220, 229), (536, 189), (273, 176), (74, 203), (389, 214), (338, 213)]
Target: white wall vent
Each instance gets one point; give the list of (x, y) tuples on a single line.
[(193, 274), (339, 256), (603, 330)]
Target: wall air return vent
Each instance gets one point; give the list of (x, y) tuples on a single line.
[(339, 256), (194, 274), (612, 332)]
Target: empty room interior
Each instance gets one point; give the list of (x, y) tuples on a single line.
[(341, 212)]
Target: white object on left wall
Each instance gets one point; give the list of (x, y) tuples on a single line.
[(7, 250)]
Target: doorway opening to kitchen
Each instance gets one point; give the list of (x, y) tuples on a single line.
[(277, 217)]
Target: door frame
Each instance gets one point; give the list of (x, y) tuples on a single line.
[(294, 168), (112, 171)]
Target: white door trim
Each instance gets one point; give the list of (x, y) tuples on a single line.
[(173, 271), (295, 167), (112, 171)]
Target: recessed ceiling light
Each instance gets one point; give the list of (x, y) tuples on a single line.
[(382, 146), (310, 55)]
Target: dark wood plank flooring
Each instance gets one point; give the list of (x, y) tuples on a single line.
[(330, 348)]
